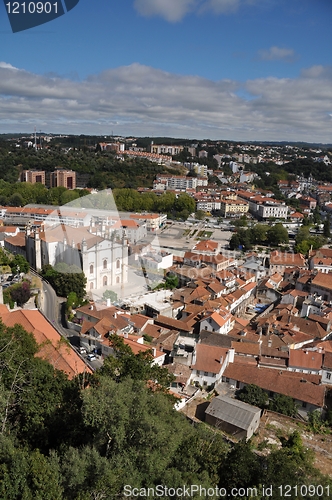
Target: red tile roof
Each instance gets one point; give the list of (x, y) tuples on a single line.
[(58, 353), (209, 358), (303, 387)]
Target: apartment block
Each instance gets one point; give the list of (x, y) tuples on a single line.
[(63, 178), (33, 176)]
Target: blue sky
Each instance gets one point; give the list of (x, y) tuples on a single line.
[(219, 69)]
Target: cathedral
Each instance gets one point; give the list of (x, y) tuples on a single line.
[(102, 256)]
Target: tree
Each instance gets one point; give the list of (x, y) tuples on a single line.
[(241, 222), (65, 279), (109, 294), (171, 282), (20, 293), (139, 366), (277, 235), (253, 395), (234, 242), (259, 234), (200, 214), (19, 264), (241, 468), (327, 227), (283, 404)]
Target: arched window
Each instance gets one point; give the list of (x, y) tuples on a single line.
[(118, 264), (91, 269), (105, 264), (91, 286), (104, 280), (117, 279)]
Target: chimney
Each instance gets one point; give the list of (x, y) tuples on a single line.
[(154, 352), (108, 302), (231, 354)]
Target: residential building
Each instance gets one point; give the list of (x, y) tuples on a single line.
[(305, 389), (33, 176), (63, 178), (209, 364), (220, 321), (321, 284), (279, 261), (163, 149), (154, 222)]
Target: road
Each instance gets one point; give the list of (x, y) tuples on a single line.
[(50, 307)]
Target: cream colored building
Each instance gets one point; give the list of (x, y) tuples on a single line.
[(229, 207)]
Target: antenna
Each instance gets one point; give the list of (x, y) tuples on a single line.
[(35, 140)]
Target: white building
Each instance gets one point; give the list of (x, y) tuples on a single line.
[(103, 261)]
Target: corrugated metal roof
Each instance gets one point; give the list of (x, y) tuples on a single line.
[(232, 411)]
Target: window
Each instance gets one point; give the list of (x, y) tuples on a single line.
[(105, 264), (117, 279), (118, 264), (91, 286), (104, 280), (198, 372), (328, 376), (206, 374), (91, 269)]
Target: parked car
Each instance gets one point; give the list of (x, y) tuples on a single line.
[(82, 350), (91, 357)]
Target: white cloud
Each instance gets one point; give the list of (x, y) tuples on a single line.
[(175, 10), (171, 10), (277, 54), (140, 100), (6, 65)]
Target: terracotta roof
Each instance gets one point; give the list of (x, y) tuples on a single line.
[(180, 371), (206, 246), (286, 259), (139, 320), (18, 240), (303, 387), (322, 253), (215, 339), (59, 354), (172, 323), (303, 358), (276, 278), (208, 358), (8, 229), (154, 330), (323, 280), (246, 348), (166, 340), (71, 234), (217, 318), (327, 363)]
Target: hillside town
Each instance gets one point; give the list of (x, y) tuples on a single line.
[(235, 316)]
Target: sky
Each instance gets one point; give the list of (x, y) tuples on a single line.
[(243, 70)]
